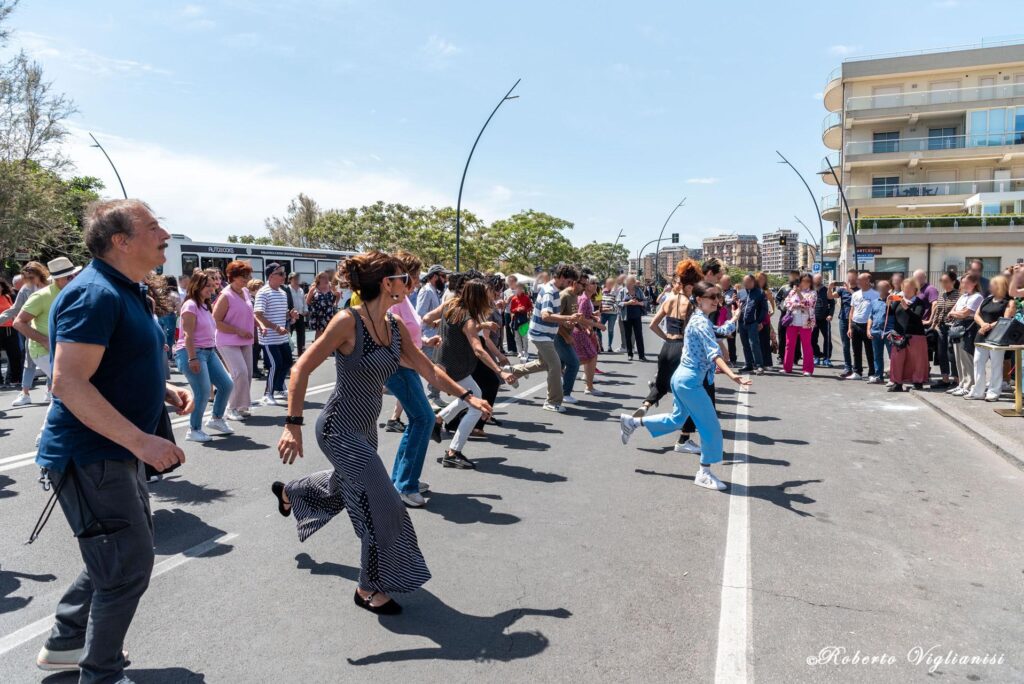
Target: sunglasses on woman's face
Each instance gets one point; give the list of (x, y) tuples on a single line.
[(404, 277)]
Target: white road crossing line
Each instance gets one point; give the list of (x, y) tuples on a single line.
[(40, 627), (732, 665), (29, 457)]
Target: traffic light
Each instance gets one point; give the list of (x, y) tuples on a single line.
[(675, 238), (782, 240)]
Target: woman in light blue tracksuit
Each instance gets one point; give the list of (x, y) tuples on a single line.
[(701, 354)]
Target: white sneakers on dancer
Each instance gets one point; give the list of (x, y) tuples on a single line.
[(197, 436), (707, 479), (219, 425), (22, 400), (687, 447), (554, 408), (627, 425)]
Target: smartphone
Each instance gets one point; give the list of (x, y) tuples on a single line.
[(1020, 260)]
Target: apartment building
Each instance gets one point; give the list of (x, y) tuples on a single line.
[(808, 256), (778, 258), (670, 256), (738, 251), (929, 148)]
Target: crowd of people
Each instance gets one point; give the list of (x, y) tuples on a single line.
[(443, 344)]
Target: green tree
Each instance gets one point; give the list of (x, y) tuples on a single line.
[(292, 229), (531, 238), (604, 258), (249, 240)]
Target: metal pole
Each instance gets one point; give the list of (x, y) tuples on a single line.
[(458, 204), (817, 211), (616, 243), (809, 233), (849, 216), (657, 250), (638, 258), (97, 144)]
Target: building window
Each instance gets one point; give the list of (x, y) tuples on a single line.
[(892, 265), (884, 186), (990, 266), (998, 126), (888, 141), (942, 139)]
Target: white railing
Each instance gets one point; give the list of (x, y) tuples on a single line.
[(920, 98)]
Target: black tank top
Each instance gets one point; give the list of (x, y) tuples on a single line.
[(675, 325)]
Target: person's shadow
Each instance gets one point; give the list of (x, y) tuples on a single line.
[(6, 482), (497, 465), (165, 675), (174, 488), (10, 582), (459, 636), (464, 509), (776, 494)]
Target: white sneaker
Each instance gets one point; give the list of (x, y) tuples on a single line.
[(62, 661), (594, 392), (625, 427), (556, 408), (39, 438), (219, 425), (281, 396), (854, 376), (708, 480), (618, 350), (974, 397), (48, 398), (524, 358), (871, 378), (959, 391), (687, 447), (197, 436), (954, 390), (269, 400), (414, 500), (807, 375), (569, 399), (245, 413), (991, 397), (232, 414), (22, 400)]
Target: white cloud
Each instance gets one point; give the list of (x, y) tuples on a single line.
[(843, 50), (48, 48), (818, 95), (439, 47), (192, 11), (500, 193), (709, 180), (211, 198)]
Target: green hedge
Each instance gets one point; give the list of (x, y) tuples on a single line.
[(939, 221)]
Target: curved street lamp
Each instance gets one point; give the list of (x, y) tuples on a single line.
[(110, 161), (657, 250), (458, 204), (849, 216), (817, 211)]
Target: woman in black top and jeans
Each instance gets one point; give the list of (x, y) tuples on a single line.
[(633, 302), (909, 361)]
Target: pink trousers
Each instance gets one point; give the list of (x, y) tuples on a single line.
[(804, 334)]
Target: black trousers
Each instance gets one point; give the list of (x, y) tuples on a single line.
[(9, 345), (943, 357), (299, 326), (510, 334), (668, 361), (634, 327), (823, 347), (765, 337), (730, 343), (862, 345)]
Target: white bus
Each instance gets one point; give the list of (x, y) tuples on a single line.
[(184, 256)]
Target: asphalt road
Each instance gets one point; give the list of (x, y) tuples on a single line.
[(857, 520)]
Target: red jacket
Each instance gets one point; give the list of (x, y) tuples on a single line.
[(521, 303)]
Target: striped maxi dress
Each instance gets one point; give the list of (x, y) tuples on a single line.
[(347, 434)]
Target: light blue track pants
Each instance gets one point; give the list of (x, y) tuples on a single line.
[(690, 399)]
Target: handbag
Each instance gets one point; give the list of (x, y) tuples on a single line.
[(1007, 331), (899, 341), (786, 320)]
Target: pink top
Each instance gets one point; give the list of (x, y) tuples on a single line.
[(407, 315), (239, 314), (204, 334)]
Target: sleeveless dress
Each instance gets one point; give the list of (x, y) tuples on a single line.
[(346, 431), (584, 340), (321, 310)]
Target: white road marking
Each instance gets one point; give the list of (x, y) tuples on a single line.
[(732, 663), (29, 457), (40, 627)]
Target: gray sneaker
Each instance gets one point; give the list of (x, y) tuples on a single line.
[(413, 500)]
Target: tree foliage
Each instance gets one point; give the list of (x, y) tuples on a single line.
[(531, 239), (604, 258)]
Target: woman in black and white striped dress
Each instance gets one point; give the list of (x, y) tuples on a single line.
[(368, 344)]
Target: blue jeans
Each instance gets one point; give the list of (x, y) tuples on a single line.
[(570, 364), (168, 324), (880, 343), (691, 400), (406, 386), (844, 325), (608, 319), (751, 339), (211, 370)]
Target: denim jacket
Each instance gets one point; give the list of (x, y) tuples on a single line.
[(879, 323)]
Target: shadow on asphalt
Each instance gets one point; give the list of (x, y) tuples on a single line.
[(165, 675), (176, 530), (468, 509), (762, 440), (459, 636), (512, 442), (6, 482), (237, 442), (776, 494), (182, 491), (496, 465), (527, 426), (10, 582)]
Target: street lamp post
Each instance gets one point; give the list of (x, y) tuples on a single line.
[(640, 251), (110, 161), (817, 211), (849, 216), (616, 244), (657, 250), (458, 204), (817, 245)]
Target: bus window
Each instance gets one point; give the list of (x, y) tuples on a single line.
[(215, 262), (256, 263), (326, 265), (306, 268), (189, 263)]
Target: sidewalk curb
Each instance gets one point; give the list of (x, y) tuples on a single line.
[(1010, 450)]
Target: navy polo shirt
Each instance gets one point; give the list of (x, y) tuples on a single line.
[(102, 306)]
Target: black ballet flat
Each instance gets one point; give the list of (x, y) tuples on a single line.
[(435, 434), (494, 421), (278, 489), (389, 608)]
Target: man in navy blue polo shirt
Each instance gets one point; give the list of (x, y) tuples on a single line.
[(109, 390)]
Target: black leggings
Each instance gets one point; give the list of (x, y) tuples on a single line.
[(668, 361), (9, 344), (634, 327)]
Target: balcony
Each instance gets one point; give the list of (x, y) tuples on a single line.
[(832, 131), (826, 174), (955, 99), (829, 207), (832, 242), (966, 223), (833, 93), (926, 190), (933, 143)]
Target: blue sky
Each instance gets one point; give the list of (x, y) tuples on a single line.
[(218, 112)]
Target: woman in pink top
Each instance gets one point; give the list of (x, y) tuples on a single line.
[(800, 306), (235, 321), (197, 359)]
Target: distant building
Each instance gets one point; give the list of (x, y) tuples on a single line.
[(808, 256), (737, 251), (778, 258), (670, 257)]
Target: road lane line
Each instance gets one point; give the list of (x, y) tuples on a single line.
[(29, 457), (732, 663), (40, 627)]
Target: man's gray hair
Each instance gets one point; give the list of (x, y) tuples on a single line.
[(105, 219)]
